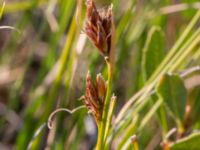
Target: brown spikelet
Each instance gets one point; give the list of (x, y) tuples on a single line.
[(98, 27), (101, 87), (95, 95)]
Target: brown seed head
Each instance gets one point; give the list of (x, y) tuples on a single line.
[(95, 95), (98, 27), (101, 87)]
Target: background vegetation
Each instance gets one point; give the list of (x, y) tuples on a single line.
[(45, 56)]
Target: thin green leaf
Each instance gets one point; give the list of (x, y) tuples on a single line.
[(191, 142), (2, 9), (152, 56)]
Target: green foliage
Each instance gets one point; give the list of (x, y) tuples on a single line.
[(174, 94), (153, 51), (194, 103), (2, 9), (43, 67), (190, 142)]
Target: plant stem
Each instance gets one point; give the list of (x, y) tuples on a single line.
[(110, 114), (135, 143), (158, 71), (182, 54), (52, 95), (102, 125), (135, 146), (22, 6)]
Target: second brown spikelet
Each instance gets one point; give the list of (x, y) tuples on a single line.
[(95, 96)]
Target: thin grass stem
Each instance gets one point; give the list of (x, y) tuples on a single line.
[(102, 125), (149, 85)]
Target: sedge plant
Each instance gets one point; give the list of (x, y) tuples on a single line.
[(99, 28), (137, 47)]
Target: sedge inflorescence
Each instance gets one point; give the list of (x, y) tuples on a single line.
[(98, 27), (95, 95)]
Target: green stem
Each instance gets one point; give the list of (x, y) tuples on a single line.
[(110, 114), (134, 142), (184, 51), (163, 64), (2, 9), (176, 47), (63, 60), (135, 146), (52, 95), (128, 132), (178, 58), (102, 125), (22, 6)]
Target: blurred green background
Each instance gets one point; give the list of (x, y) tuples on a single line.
[(45, 55)]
